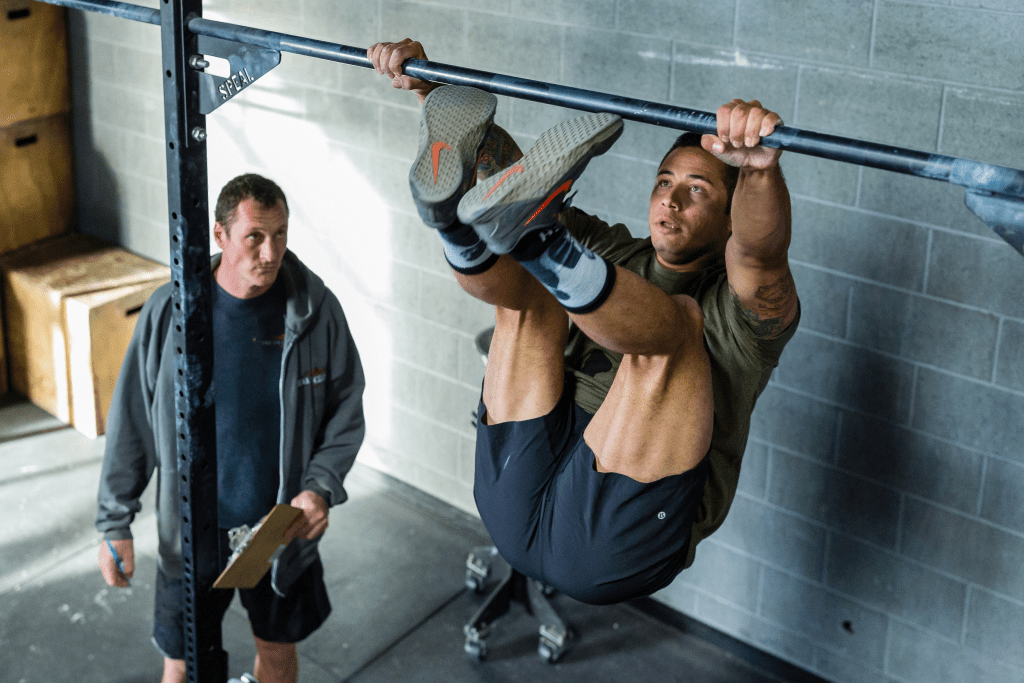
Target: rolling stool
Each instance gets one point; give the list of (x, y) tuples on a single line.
[(533, 595)]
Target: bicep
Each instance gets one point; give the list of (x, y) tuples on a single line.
[(765, 297)]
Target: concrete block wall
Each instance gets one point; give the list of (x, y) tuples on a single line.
[(877, 534)]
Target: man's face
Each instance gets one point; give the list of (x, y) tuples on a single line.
[(252, 248), (687, 217)]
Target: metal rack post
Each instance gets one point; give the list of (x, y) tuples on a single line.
[(187, 186)]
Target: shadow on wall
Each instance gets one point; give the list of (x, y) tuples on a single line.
[(872, 456), (99, 205), (862, 383)]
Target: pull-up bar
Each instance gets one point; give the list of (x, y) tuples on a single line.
[(995, 193)]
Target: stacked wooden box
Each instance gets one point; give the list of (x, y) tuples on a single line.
[(70, 301), (71, 307), (36, 178)]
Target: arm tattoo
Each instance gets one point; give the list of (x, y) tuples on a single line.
[(768, 316), (498, 152)]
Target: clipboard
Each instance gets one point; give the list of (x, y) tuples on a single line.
[(259, 550)]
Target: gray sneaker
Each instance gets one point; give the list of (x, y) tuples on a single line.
[(453, 126), (528, 195)]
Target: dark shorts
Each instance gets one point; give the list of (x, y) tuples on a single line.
[(598, 537), (273, 618)]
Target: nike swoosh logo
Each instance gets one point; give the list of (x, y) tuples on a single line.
[(515, 169), (564, 187), (436, 152)]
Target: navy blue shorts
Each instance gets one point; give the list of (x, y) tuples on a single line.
[(272, 618), (598, 537)]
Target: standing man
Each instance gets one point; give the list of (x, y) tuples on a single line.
[(288, 388), (608, 449)]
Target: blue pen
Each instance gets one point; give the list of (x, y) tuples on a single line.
[(118, 562)]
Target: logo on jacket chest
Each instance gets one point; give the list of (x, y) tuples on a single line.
[(277, 341), (313, 377)]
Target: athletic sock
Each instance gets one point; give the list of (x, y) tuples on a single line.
[(465, 252), (580, 279)]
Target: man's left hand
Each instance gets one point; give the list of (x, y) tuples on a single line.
[(313, 520), (741, 125)]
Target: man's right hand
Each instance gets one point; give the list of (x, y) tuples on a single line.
[(388, 58), (108, 567)]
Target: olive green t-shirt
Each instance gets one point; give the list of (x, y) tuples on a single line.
[(741, 362)]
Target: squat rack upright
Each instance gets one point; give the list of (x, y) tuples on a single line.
[(994, 193)]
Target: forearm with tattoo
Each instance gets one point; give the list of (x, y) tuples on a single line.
[(498, 152), (773, 305)]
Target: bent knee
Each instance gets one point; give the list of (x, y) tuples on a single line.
[(683, 332), (691, 316)]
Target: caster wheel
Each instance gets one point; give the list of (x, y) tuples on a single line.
[(549, 652), (474, 582), (476, 649)]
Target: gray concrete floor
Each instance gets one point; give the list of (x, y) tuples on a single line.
[(394, 562)]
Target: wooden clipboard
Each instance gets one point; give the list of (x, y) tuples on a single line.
[(262, 546)]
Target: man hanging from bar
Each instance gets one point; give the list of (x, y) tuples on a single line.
[(609, 447), (288, 386)]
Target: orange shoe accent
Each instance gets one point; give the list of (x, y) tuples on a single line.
[(436, 151), (515, 169), (563, 188)]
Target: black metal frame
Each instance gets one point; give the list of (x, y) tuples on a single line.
[(187, 186), (555, 634), (994, 193)]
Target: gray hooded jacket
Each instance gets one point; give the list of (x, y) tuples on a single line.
[(322, 424)]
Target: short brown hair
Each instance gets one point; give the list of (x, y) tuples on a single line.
[(237, 190), (732, 173)]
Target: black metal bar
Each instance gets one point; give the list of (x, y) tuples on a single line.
[(971, 174), (282, 42), (996, 189), (187, 184), (114, 9)]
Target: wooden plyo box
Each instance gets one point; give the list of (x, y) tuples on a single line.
[(34, 79), (70, 308), (98, 327), (37, 190)]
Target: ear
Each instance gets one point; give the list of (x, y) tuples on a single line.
[(219, 234)]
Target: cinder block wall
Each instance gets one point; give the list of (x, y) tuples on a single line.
[(878, 532)]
